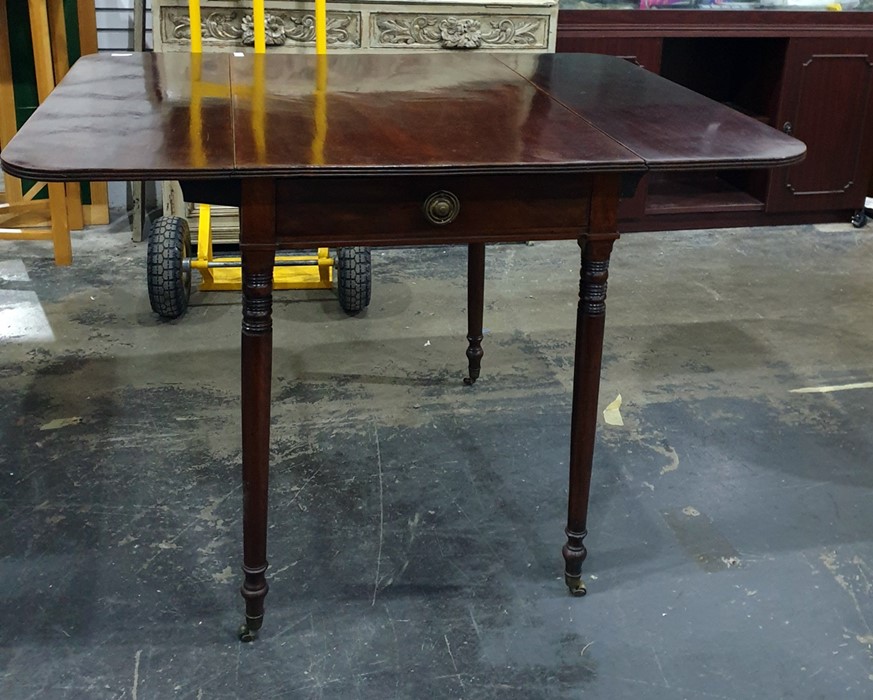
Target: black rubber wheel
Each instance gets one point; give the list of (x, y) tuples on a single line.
[(353, 278), (169, 283), (859, 220)]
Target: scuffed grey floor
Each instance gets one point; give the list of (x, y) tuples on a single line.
[(416, 524)]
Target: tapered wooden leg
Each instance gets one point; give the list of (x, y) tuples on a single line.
[(475, 303), (590, 320), (258, 252)]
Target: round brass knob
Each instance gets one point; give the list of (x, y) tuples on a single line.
[(441, 208)]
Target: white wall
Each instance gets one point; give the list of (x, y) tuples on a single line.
[(115, 25)]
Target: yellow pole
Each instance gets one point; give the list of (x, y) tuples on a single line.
[(258, 88), (260, 27), (320, 134), (196, 117), (204, 234), (320, 27), (259, 109), (196, 31), (195, 127)]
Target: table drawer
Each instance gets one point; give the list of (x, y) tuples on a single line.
[(395, 210)]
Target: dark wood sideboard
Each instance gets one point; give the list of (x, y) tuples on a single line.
[(807, 73)]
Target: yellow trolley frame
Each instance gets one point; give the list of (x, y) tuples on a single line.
[(291, 271)]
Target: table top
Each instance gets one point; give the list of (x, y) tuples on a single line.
[(175, 116)]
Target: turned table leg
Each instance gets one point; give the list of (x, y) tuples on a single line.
[(590, 320), (258, 252), (475, 302)]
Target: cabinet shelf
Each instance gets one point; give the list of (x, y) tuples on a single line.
[(809, 73), (690, 193)]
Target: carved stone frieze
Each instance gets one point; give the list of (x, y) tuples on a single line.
[(283, 27), (403, 30)]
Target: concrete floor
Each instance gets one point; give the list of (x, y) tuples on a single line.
[(416, 523)]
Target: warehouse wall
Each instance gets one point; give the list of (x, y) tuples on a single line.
[(115, 25)]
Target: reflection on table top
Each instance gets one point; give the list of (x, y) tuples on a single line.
[(156, 116)]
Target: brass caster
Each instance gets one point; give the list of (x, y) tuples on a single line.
[(246, 634), (575, 585)]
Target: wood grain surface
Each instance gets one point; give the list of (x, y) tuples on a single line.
[(161, 116)]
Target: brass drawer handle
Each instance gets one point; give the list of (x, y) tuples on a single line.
[(441, 208)]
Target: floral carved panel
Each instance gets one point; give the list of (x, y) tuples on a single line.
[(284, 28), (406, 30)]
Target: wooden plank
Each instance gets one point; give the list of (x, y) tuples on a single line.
[(17, 234), (87, 26), (45, 83), (7, 95), (12, 185), (51, 61), (75, 214), (60, 226), (25, 215), (100, 201), (58, 38), (98, 211), (13, 188), (96, 215), (42, 49), (61, 64), (33, 191), (7, 209)]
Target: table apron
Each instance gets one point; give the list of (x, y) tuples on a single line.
[(404, 210)]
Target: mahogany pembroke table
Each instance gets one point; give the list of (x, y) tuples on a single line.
[(392, 149)]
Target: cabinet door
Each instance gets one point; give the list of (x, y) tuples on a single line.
[(827, 102)]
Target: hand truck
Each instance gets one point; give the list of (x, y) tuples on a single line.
[(170, 262)]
